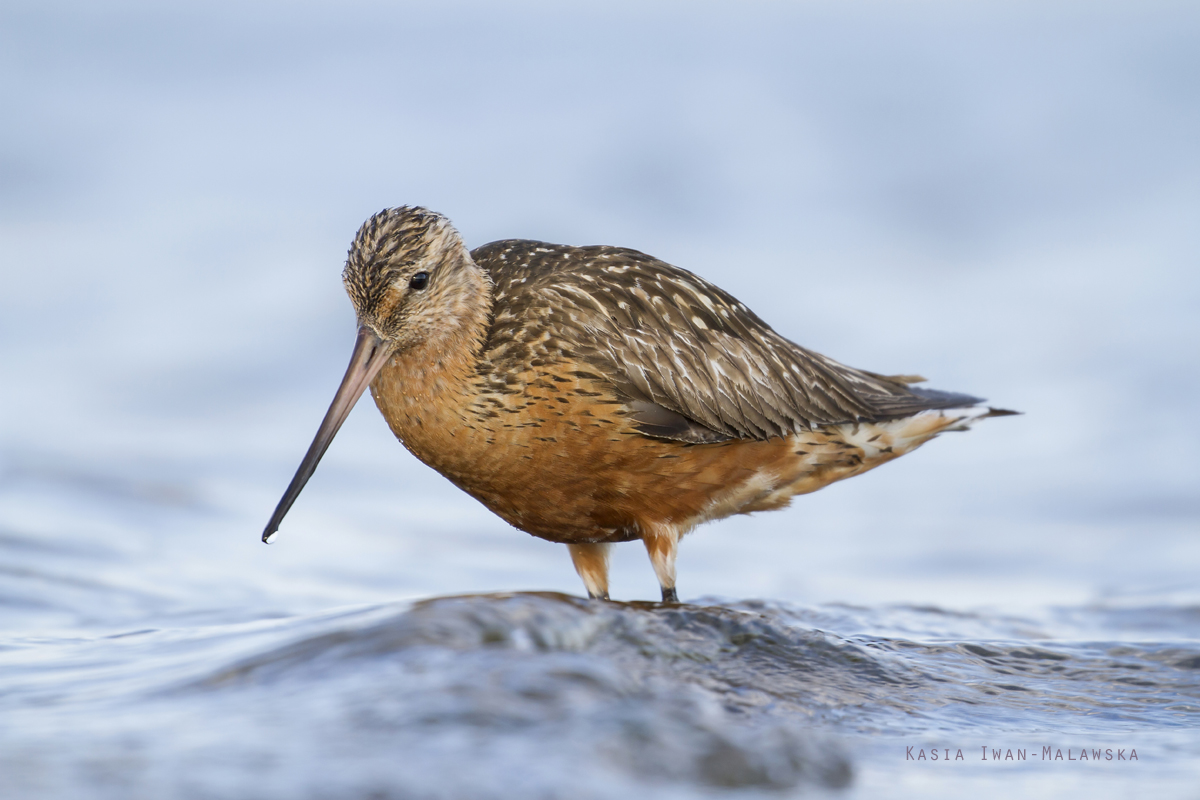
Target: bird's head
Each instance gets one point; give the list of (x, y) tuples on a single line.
[(413, 285), (409, 276)]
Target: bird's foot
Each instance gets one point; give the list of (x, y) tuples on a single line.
[(603, 596), (669, 595)]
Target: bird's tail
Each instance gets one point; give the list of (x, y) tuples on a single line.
[(919, 428)]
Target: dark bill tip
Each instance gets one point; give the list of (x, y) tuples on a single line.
[(370, 354)]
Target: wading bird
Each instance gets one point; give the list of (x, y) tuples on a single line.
[(593, 395)]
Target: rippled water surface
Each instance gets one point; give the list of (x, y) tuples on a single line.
[(1000, 196), (544, 694)]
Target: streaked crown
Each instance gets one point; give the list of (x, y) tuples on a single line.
[(406, 273)]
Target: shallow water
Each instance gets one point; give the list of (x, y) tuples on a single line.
[(1000, 196), (140, 659), (544, 694)]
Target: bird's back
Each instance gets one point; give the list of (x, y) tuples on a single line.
[(693, 362)]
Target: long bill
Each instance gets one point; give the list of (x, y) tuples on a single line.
[(370, 354)]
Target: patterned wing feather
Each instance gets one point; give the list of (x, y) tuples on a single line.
[(671, 341)]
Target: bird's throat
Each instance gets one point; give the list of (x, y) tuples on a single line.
[(424, 390)]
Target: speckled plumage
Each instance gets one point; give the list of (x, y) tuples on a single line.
[(591, 395), (665, 337)]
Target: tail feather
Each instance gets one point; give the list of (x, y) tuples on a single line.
[(916, 400), (966, 417), (920, 399)]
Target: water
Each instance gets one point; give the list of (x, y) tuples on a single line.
[(544, 694), (1000, 197)]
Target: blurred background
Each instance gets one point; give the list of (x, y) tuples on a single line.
[(1001, 196)]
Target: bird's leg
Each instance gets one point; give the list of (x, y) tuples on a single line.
[(591, 562), (662, 542)]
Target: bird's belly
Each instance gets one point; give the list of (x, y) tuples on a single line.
[(613, 486), (578, 471), (569, 484)]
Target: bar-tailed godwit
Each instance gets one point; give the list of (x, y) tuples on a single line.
[(593, 395)]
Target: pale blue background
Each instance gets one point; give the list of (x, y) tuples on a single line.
[(1002, 196)]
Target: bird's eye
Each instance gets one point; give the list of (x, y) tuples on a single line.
[(419, 280)]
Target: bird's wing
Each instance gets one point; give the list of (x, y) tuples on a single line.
[(695, 363)]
